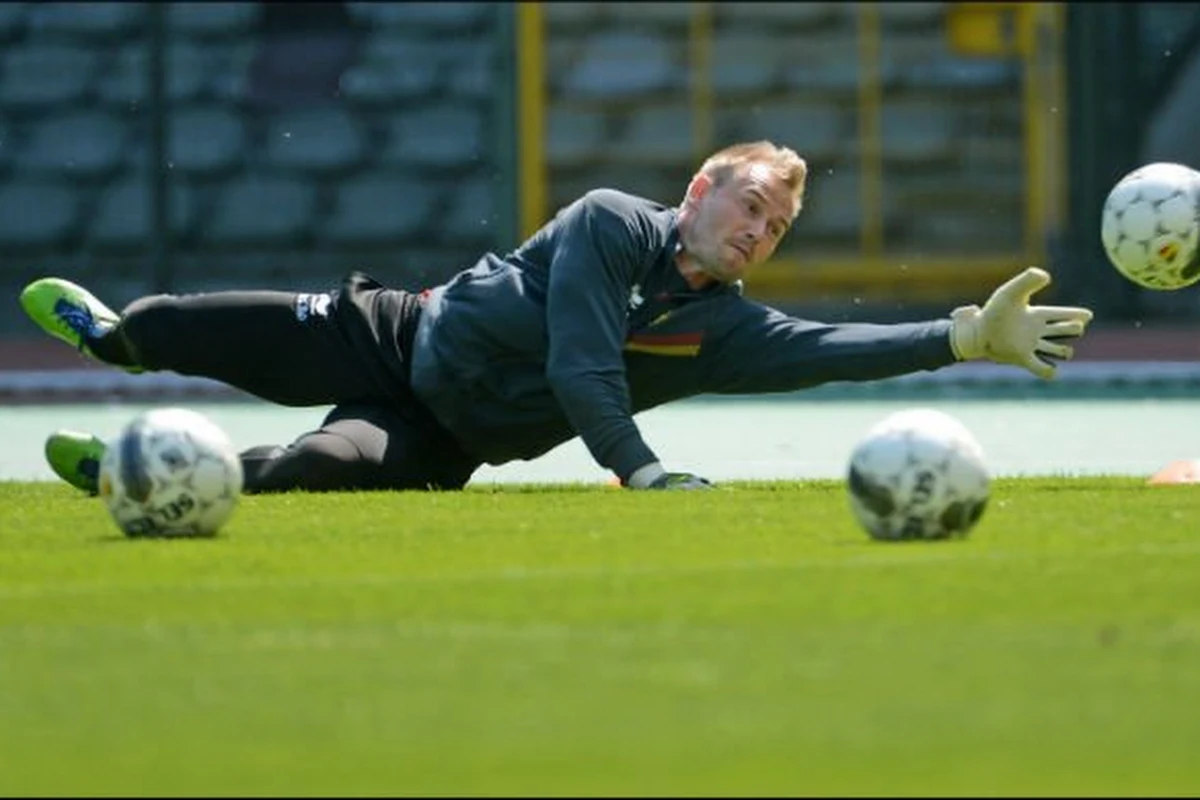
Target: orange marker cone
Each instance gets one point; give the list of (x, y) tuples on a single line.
[(1185, 470)]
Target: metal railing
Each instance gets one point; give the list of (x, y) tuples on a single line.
[(1027, 36)]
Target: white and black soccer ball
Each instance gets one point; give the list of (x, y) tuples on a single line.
[(1151, 226), (170, 472), (918, 474)]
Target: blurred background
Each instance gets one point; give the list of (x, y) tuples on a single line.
[(190, 146)]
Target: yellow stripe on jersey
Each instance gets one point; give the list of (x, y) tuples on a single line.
[(684, 350)]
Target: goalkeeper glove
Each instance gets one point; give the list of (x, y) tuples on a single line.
[(1007, 330), (653, 476), (679, 480)]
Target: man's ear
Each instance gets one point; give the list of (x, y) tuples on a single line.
[(699, 187)]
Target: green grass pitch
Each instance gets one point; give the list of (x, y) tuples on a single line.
[(586, 640)]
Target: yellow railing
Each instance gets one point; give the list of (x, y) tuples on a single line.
[(531, 116), (700, 58), (870, 101), (1031, 32)]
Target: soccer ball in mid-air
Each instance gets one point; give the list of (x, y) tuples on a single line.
[(170, 472), (1150, 226), (918, 474)]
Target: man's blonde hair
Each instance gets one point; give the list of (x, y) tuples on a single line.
[(783, 161)]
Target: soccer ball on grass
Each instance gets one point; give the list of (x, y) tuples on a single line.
[(170, 472), (918, 474), (1150, 226)]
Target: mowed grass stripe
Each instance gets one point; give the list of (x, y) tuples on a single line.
[(587, 640)]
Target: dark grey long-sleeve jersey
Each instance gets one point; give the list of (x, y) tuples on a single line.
[(589, 322)]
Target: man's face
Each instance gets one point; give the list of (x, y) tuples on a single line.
[(738, 224)]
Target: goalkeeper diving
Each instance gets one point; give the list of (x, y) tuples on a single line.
[(617, 305)]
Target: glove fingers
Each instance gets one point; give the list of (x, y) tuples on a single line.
[(1055, 350), (1068, 329), (1061, 314), (674, 481), (1018, 290), (1038, 367)]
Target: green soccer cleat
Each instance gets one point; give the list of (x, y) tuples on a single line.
[(75, 457), (70, 313)]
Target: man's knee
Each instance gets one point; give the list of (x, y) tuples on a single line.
[(317, 462)]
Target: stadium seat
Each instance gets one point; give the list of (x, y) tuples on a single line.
[(623, 65), (575, 16), (832, 206), (824, 65), (817, 131), (440, 137), (10, 145), (657, 134), (472, 212), (230, 71), (574, 136), (379, 208), (918, 132), (82, 144), (421, 17), (955, 187), (124, 219), (628, 15), (662, 185), (299, 69), (254, 209), (472, 75), (775, 17), (916, 62), (206, 141), (962, 230), (562, 54), (318, 139), (745, 63), (391, 70), (12, 20), (127, 80), (378, 84), (204, 19), (908, 16), (96, 21), (42, 75), (969, 74), (37, 213)]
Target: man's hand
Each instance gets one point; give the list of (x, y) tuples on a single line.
[(679, 480), (653, 476), (1008, 330)]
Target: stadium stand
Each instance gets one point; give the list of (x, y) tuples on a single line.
[(124, 218), (375, 209), (792, 72), (397, 152), (37, 214), (259, 210), (81, 145)]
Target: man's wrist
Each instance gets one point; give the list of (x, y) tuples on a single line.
[(643, 476), (963, 332)]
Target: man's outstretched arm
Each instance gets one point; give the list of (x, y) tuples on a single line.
[(767, 351)]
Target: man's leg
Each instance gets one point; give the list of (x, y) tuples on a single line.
[(362, 448), (281, 346), (357, 447)]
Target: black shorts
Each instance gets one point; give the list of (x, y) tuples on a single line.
[(350, 348)]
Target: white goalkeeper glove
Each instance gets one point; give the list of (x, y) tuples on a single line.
[(1008, 330)]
